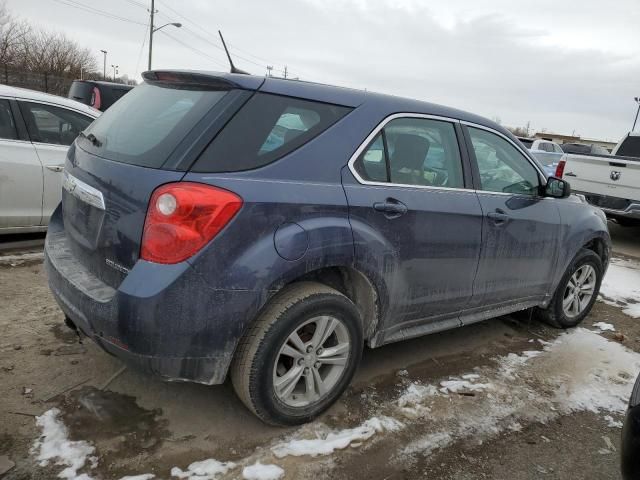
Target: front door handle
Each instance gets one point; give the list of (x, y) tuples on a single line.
[(391, 208), (55, 168), (498, 217)]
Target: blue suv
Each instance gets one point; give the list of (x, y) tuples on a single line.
[(219, 223)]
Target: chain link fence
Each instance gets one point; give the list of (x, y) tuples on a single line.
[(42, 81)]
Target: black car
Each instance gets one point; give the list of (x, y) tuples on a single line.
[(99, 95), (631, 437)]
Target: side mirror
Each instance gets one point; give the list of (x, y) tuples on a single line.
[(557, 188)]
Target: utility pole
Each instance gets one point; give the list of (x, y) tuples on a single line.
[(269, 68), (104, 65), (152, 12), (285, 71), (637, 99)]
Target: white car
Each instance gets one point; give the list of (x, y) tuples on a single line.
[(36, 130), (547, 153)]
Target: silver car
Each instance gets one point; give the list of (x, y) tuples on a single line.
[(36, 130)]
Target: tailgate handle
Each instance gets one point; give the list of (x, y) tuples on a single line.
[(570, 174)]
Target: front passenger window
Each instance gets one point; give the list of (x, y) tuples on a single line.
[(502, 167)]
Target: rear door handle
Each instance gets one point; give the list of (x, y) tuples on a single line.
[(498, 217), (391, 208), (55, 168)]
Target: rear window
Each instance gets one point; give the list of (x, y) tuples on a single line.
[(630, 147), (576, 148), (81, 91), (146, 125), (265, 129)]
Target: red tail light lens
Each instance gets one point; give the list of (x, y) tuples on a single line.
[(182, 218), (560, 168)]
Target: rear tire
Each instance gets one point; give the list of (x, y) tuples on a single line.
[(299, 355), (570, 305)]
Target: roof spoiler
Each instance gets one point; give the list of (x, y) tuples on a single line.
[(188, 79)]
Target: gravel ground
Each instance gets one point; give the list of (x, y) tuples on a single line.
[(140, 425)]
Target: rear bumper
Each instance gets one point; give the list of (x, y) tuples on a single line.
[(614, 206), (162, 319)]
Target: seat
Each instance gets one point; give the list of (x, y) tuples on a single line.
[(407, 160)]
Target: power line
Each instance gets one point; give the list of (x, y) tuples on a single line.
[(200, 52), (87, 8)]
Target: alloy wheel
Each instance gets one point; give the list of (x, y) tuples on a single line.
[(579, 291), (311, 361)]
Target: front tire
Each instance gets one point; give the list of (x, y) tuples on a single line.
[(299, 355), (576, 293)]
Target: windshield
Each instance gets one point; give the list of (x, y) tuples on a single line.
[(145, 126)]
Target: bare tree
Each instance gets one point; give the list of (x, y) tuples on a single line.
[(12, 35), (41, 51)]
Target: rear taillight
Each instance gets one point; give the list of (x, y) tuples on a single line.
[(560, 168), (182, 218)]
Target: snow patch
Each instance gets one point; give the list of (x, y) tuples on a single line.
[(143, 476), (428, 444), (54, 445), (456, 385), (203, 470), (611, 422), (604, 327), (621, 286), (336, 440), (258, 471)]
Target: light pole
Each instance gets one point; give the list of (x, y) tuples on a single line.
[(104, 65), (637, 99), (153, 30), (115, 71)]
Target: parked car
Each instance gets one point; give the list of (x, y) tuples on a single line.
[(630, 444), (36, 130), (526, 141), (629, 146), (548, 154), (610, 182), (584, 149), (269, 228), (97, 94)]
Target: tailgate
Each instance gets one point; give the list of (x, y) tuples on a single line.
[(610, 176)]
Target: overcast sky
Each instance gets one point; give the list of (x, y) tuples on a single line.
[(562, 65)]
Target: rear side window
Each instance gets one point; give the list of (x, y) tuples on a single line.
[(267, 128), (147, 124), (413, 151)]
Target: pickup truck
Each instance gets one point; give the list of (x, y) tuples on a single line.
[(611, 182)]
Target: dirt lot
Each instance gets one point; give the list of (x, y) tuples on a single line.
[(520, 403)]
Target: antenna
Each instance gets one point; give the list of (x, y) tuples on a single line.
[(233, 67)]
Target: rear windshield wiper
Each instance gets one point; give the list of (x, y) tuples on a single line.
[(92, 138)]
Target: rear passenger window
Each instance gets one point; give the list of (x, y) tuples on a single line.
[(413, 151), (267, 128), (55, 125)]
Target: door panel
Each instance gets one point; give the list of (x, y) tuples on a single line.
[(414, 220), (52, 158), (521, 230), (428, 255), (52, 129), (520, 238), (20, 184)]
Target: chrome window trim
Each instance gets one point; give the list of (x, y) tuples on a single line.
[(522, 151), (376, 131), (83, 191)]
